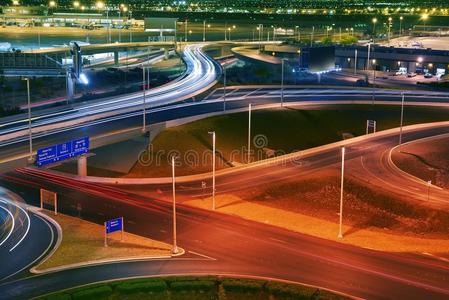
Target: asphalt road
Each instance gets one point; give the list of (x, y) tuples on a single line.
[(14, 152), (222, 244), (29, 237)]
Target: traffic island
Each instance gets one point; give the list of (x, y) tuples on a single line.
[(309, 204), (83, 244), (197, 288)]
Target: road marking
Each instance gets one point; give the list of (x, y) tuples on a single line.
[(28, 227), (12, 227), (39, 257), (202, 255), (436, 257)]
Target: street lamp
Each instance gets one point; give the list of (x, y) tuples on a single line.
[(144, 102), (282, 82), (76, 4), (340, 233), (389, 29), (400, 25), (175, 247), (15, 2), (52, 3), (374, 27), (402, 119), (424, 18), (30, 158), (213, 168), (249, 132), (99, 4)]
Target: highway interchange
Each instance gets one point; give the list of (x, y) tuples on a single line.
[(217, 243)]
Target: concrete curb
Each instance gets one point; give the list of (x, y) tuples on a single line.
[(106, 261), (408, 175), (58, 241)]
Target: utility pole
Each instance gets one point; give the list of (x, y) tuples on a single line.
[(249, 132), (402, 119), (355, 62), (340, 233), (175, 247), (213, 168)]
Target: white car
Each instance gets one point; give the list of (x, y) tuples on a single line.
[(410, 75)]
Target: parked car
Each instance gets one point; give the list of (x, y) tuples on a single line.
[(399, 73), (428, 75), (410, 75)]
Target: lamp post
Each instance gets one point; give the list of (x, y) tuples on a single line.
[(402, 119), (144, 102), (185, 31), (213, 168), (30, 137), (389, 29), (311, 36), (204, 30), (175, 247), (340, 233), (400, 25), (424, 18), (249, 132), (282, 82), (224, 88), (374, 80), (374, 20)]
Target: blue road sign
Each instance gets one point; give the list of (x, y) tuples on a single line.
[(114, 225), (62, 151)]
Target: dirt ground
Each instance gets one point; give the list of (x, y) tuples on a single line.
[(427, 160), (310, 205)]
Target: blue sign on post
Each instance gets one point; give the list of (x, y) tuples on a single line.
[(62, 151), (113, 226)]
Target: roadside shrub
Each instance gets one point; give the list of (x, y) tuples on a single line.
[(58, 297), (198, 285), (236, 285), (100, 292), (284, 291), (154, 286)]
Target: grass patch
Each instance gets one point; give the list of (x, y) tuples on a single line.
[(196, 288), (83, 241), (286, 130)]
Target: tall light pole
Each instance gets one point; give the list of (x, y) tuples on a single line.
[(282, 82), (355, 62), (30, 136), (204, 30), (224, 88), (175, 247), (389, 29), (311, 36), (185, 31), (340, 233), (249, 132), (213, 168), (374, 20), (424, 18), (368, 56), (400, 25), (144, 102), (402, 119)]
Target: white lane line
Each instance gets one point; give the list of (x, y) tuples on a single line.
[(202, 255), (28, 227), (40, 256), (12, 227)]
